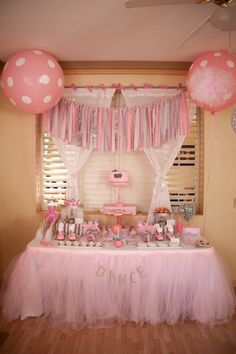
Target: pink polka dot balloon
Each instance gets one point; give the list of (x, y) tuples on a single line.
[(211, 80), (33, 81)]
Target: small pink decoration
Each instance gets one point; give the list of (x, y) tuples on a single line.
[(211, 80), (72, 236), (72, 202), (179, 226), (91, 237), (145, 227), (159, 237), (46, 243), (91, 226), (169, 235), (33, 81), (51, 214), (116, 228), (118, 243), (60, 236)]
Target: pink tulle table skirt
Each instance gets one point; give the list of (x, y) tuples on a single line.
[(80, 288)]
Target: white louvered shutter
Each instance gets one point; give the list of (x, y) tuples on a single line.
[(54, 173)]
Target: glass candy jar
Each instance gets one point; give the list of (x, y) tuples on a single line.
[(179, 222)]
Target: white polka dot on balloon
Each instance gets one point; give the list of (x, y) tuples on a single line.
[(10, 81), (44, 79), (20, 62), (38, 52), (227, 96), (203, 63), (51, 63), (12, 101), (47, 99), (217, 54), (26, 99), (230, 64), (59, 82)]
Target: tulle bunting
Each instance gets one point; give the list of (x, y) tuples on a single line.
[(118, 129), (96, 288)]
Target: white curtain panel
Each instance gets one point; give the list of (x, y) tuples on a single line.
[(96, 97), (74, 157), (161, 158), (142, 96)]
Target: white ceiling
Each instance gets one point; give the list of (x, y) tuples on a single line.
[(104, 30)]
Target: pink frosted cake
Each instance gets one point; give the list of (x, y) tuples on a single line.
[(117, 177)]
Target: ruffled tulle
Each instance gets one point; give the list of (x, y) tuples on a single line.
[(97, 288)]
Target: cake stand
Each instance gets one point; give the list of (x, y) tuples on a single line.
[(118, 208)]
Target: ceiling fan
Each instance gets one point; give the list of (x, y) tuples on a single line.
[(223, 18), (146, 3)]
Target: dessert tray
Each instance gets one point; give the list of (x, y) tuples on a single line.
[(79, 245), (157, 245), (103, 245), (202, 243)]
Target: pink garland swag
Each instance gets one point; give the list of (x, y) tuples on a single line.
[(118, 129)]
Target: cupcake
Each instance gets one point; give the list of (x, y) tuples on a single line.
[(142, 244), (98, 244)]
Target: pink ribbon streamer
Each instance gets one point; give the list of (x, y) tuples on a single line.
[(99, 133), (85, 119), (110, 129), (129, 117), (64, 125), (184, 115)]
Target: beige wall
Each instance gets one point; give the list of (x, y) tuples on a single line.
[(220, 186), (17, 201), (18, 217)]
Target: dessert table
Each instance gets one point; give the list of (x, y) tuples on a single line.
[(80, 287)]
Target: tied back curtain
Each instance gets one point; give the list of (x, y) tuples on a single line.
[(73, 156), (161, 159), (163, 156)]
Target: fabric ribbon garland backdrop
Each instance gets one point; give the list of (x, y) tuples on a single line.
[(144, 125), (154, 121)]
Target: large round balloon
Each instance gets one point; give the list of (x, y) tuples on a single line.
[(211, 80), (33, 81)]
